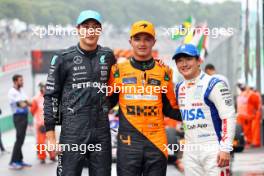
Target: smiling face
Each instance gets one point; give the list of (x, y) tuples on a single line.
[(188, 66), (89, 32), (142, 45)]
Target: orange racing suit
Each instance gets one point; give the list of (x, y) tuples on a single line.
[(142, 138), (256, 122), (246, 110), (37, 112)]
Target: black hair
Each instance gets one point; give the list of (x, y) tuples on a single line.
[(183, 55), (209, 67), (16, 77), (91, 19)]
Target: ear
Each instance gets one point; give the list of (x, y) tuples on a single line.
[(200, 61), (154, 42), (130, 40)]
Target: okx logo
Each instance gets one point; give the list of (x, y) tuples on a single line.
[(192, 114), (145, 110)]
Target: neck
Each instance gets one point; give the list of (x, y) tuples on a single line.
[(194, 76), (16, 87), (143, 58), (87, 47)]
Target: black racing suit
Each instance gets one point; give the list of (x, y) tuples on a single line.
[(74, 86)]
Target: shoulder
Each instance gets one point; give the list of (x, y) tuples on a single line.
[(163, 66), (106, 51), (219, 85), (122, 65), (179, 84), (165, 70), (62, 54), (67, 51), (12, 91)]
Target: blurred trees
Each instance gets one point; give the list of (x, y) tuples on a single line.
[(122, 12)]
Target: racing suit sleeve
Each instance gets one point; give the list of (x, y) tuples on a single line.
[(53, 92), (170, 107), (223, 101)]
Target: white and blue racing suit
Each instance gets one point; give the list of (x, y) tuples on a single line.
[(208, 115)]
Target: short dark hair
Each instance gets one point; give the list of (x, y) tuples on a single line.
[(16, 77), (209, 67), (184, 55)]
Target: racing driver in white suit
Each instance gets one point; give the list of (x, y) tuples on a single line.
[(208, 116)]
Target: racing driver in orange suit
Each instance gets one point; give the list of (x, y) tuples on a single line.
[(37, 112), (144, 89)]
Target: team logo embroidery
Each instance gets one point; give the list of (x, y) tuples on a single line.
[(53, 60), (102, 59), (77, 60)]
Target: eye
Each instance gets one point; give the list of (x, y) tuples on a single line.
[(136, 38), (148, 39), (179, 60)]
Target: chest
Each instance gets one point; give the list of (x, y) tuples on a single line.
[(191, 100), (147, 78), (82, 69)]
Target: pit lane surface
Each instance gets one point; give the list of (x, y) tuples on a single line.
[(248, 163)]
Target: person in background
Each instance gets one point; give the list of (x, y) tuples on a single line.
[(247, 105), (19, 104), (37, 112), (257, 120)]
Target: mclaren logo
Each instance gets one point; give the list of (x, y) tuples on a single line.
[(144, 25)]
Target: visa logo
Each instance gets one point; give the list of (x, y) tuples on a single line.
[(192, 114)]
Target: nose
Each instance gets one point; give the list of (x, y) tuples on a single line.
[(142, 43), (184, 62)]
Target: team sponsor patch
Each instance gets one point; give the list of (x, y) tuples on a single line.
[(142, 110), (132, 80), (76, 68), (154, 82), (104, 67), (229, 102), (129, 74), (103, 73), (195, 126), (140, 97)]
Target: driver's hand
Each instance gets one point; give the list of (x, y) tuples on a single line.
[(52, 145), (223, 159)]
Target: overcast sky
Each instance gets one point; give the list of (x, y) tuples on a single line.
[(252, 3)]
